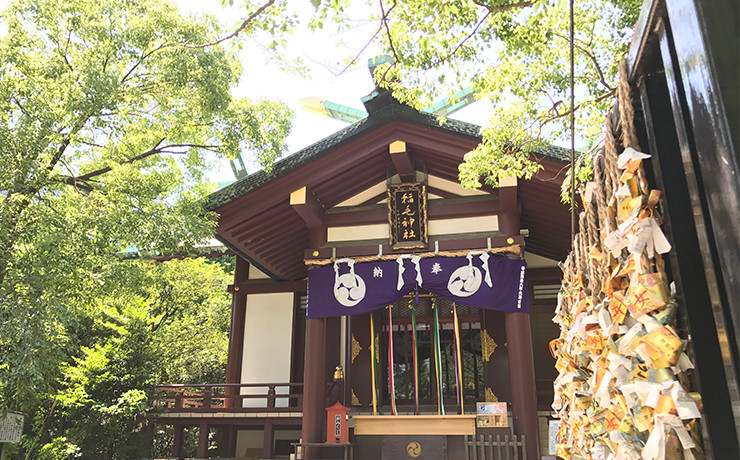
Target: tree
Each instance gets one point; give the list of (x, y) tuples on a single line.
[(154, 323), (515, 55), (110, 113)]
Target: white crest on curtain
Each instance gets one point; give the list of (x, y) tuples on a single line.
[(349, 289), (466, 280)]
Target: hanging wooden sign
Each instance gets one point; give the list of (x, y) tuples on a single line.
[(407, 215)]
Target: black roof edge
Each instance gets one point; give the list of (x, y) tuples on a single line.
[(251, 261)]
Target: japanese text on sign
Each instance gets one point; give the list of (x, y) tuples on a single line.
[(407, 215)]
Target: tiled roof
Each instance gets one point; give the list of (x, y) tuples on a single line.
[(392, 111)]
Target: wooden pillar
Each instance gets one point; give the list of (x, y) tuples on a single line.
[(236, 332), (269, 440), (314, 384), (227, 447), (177, 441), (521, 374), (519, 338), (508, 219), (203, 440)]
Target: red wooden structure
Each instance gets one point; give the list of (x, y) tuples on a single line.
[(327, 201)]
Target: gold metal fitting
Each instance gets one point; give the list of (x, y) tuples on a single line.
[(339, 373)]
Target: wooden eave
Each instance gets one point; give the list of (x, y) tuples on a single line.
[(259, 223)]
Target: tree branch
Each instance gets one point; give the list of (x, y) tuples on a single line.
[(237, 31), (383, 20), (589, 53), (20, 106), (492, 8), (158, 148), (204, 45), (76, 183), (87, 176), (470, 35), (567, 112), (384, 23), (212, 148), (58, 155), (143, 57)]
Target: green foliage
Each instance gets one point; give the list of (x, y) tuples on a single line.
[(269, 23), (516, 56), (154, 323), (111, 112), (109, 115), (226, 262), (59, 449)]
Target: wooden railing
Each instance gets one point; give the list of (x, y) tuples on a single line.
[(498, 447), (231, 397)]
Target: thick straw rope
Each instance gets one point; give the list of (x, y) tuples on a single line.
[(595, 273), (514, 249), (601, 205), (627, 119), (583, 255), (599, 220), (610, 160)]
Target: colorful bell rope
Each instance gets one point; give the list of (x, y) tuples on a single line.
[(458, 363), (415, 355), (438, 360), (391, 381)]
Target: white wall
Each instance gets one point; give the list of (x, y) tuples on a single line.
[(535, 261), (257, 274), (463, 225), (268, 332)]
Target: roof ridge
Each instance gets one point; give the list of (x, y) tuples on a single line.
[(392, 111)]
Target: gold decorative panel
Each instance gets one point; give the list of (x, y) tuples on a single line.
[(355, 399), (490, 397), (488, 345), (356, 348)]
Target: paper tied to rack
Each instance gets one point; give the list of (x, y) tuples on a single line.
[(629, 154), (663, 345), (619, 238), (617, 393), (648, 237), (655, 447), (647, 292), (629, 207)]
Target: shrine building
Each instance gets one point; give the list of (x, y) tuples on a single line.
[(367, 276)]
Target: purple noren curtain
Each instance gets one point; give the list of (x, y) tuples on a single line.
[(479, 280)]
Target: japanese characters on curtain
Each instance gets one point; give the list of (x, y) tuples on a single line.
[(479, 280)]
